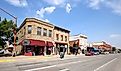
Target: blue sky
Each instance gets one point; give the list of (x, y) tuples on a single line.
[(98, 19)]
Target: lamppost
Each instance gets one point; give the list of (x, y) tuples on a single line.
[(14, 31)]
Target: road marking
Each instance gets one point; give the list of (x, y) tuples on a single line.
[(41, 68), (71, 63), (56, 65), (105, 64), (7, 60), (64, 70)]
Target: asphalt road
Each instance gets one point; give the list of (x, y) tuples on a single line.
[(111, 62)]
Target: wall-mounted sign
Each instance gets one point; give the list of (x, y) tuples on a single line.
[(26, 42)]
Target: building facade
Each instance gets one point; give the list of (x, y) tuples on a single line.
[(61, 39), (37, 37), (78, 41), (102, 45)]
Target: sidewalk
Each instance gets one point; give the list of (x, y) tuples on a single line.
[(35, 58)]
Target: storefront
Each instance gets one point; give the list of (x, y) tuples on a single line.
[(33, 47), (49, 48), (60, 47)]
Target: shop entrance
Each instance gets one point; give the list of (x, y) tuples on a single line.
[(39, 50), (48, 50)]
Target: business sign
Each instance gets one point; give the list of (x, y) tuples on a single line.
[(26, 42)]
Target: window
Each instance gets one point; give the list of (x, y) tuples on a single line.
[(65, 38), (44, 32), (57, 37), (61, 37), (29, 29), (39, 29), (50, 33)]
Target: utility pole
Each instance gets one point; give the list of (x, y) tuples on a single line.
[(14, 31)]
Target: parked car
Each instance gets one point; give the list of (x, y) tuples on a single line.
[(89, 53), (96, 52), (2, 52), (106, 52), (5, 52)]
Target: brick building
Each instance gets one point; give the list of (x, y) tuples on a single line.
[(102, 45), (40, 37)]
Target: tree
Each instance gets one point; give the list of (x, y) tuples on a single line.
[(6, 28)]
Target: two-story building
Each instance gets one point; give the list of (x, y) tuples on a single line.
[(38, 37), (79, 40), (61, 38), (102, 45)]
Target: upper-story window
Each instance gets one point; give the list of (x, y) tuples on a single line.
[(57, 36), (65, 38), (50, 33), (61, 37), (44, 32), (39, 30), (29, 29)]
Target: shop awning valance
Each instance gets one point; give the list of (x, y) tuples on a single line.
[(33, 42), (49, 44)]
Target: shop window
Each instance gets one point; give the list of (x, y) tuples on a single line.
[(57, 37), (39, 29), (61, 37), (50, 33), (65, 38), (29, 29), (44, 32)]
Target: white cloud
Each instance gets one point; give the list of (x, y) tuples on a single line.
[(18, 3), (50, 9), (95, 4), (47, 10), (40, 12), (55, 2), (115, 40), (68, 8), (115, 6), (115, 36)]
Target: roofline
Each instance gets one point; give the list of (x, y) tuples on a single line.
[(61, 28), (23, 23)]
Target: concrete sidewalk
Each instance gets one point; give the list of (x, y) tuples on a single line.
[(35, 58)]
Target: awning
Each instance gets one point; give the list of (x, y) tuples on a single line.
[(33, 42), (37, 42), (49, 44)]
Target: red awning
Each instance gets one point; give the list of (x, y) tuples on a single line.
[(34, 42), (49, 44), (37, 42)]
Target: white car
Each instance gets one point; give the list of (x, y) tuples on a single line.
[(106, 52)]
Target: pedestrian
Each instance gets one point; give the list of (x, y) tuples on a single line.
[(61, 55)]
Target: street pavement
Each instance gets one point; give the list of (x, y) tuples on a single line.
[(109, 62)]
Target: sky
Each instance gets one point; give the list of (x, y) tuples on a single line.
[(100, 20)]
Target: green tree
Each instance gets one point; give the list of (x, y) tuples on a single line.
[(6, 28)]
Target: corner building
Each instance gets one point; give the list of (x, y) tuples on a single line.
[(36, 37)]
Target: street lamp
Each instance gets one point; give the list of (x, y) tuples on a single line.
[(14, 30)]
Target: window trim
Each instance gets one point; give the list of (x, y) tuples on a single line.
[(50, 33), (39, 31), (44, 32), (29, 30), (61, 37)]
